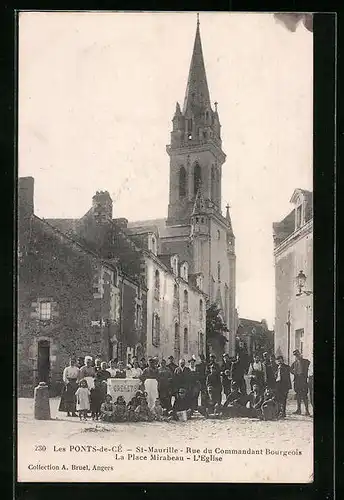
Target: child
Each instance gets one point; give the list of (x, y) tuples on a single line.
[(120, 410), (157, 411), (96, 397), (143, 412), (269, 407), (83, 400), (132, 405), (107, 409)]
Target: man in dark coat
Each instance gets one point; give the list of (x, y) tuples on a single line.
[(181, 379), (283, 384), (300, 369), (201, 368), (269, 371), (214, 363), (243, 356), (238, 372), (171, 364), (226, 363)]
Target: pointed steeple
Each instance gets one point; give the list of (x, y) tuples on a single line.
[(197, 92), (228, 217), (199, 205), (178, 111)]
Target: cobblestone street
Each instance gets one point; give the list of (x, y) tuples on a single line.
[(266, 439)]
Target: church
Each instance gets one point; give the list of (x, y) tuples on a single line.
[(195, 228)]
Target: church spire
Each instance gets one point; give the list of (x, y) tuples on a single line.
[(197, 92)]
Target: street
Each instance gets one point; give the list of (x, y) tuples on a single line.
[(285, 449)]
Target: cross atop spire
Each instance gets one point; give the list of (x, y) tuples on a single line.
[(197, 92)]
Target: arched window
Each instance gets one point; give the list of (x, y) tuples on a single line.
[(156, 330), (197, 178), (213, 184), (186, 340), (200, 343), (182, 182), (226, 302), (201, 310), (157, 285), (218, 271), (176, 341), (175, 292), (186, 300)]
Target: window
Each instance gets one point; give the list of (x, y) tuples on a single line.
[(182, 182), (184, 272), (197, 178), (218, 271), (154, 245), (186, 300), (189, 124), (45, 311), (298, 216), (299, 339), (138, 319), (226, 302), (201, 310), (176, 342), (175, 292), (200, 343), (156, 330), (186, 340), (218, 234), (157, 285), (213, 184)]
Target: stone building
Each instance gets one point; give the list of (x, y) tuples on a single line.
[(195, 229), (256, 336), (165, 328), (176, 305), (71, 300), (293, 254)]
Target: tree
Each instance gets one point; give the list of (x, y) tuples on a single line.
[(216, 330), (291, 20)]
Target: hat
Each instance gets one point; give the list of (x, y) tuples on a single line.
[(88, 358), (296, 352), (170, 357)]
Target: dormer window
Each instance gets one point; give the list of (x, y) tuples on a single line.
[(154, 245), (184, 271), (174, 265), (298, 216)]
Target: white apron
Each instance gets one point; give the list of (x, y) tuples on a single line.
[(151, 387)]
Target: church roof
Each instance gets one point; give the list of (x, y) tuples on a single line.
[(153, 225), (197, 92)]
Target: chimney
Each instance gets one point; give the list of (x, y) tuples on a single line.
[(25, 196), (102, 206)]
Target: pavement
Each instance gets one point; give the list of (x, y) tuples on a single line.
[(231, 450)]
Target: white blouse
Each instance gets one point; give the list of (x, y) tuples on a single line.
[(70, 372)]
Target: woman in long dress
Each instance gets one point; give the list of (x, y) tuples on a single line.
[(88, 372), (70, 378), (150, 378)]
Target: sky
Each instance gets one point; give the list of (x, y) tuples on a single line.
[(97, 93)]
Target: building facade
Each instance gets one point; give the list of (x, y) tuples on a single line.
[(256, 336), (71, 301), (176, 304), (293, 253), (195, 229)]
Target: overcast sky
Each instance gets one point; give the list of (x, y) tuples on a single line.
[(97, 93)]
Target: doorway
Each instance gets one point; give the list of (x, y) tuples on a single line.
[(43, 361)]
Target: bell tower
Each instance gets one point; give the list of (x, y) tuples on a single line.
[(195, 151)]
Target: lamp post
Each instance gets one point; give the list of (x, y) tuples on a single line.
[(288, 323), (301, 279)]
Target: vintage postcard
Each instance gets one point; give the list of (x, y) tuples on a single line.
[(165, 241)]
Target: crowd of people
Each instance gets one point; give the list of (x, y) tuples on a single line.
[(168, 391)]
